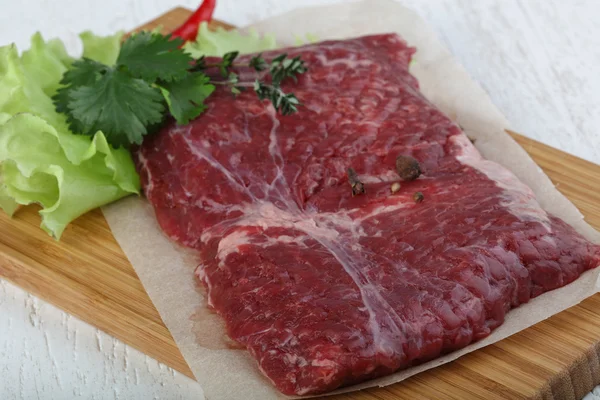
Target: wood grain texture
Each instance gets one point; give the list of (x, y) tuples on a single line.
[(87, 275)]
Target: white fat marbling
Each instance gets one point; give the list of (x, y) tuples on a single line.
[(518, 198)]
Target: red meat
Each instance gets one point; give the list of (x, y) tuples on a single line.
[(326, 289)]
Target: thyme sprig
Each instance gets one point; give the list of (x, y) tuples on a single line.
[(280, 68)]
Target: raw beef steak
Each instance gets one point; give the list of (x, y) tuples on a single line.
[(326, 289)]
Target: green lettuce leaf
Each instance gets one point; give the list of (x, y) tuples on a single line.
[(308, 38), (35, 169), (220, 41), (20, 93), (45, 63), (104, 49), (41, 161)]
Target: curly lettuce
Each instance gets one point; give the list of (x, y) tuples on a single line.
[(215, 43), (44, 62), (308, 38), (41, 161), (104, 49)]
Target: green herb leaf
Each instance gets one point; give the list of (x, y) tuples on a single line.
[(258, 63), (185, 98), (233, 79), (283, 67), (286, 103), (227, 62), (151, 56), (277, 60), (83, 72), (121, 106), (199, 64)]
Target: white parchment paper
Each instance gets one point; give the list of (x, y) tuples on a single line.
[(166, 270)]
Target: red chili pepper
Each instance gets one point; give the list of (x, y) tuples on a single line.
[(189, 30)]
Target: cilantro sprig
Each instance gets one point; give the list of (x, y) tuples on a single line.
[(153, 77), (153, 56), (128, 106)]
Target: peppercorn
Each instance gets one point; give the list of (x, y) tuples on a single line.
[(357, 186), (418, 197), (408, 168)]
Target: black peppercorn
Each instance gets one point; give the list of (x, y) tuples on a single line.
[(408, 168)]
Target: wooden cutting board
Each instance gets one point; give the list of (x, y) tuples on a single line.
[(87, 275)]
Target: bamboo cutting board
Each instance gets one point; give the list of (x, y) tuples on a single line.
[(87, 275)]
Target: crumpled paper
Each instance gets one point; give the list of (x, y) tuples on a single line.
[(166, 270)]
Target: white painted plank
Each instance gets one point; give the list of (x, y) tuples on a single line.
[(47, 354)]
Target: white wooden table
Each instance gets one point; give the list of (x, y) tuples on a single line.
[(538, 59)]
